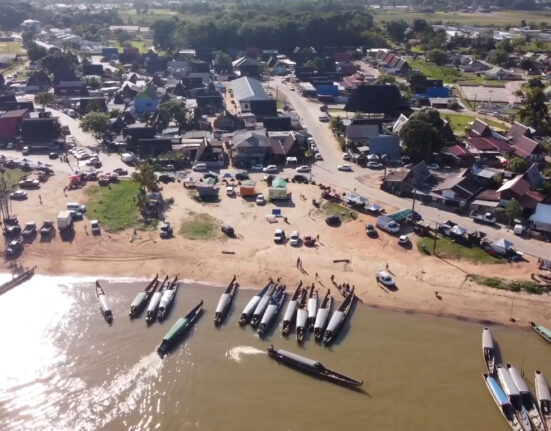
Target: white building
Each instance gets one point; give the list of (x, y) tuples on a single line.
[(31, 25)]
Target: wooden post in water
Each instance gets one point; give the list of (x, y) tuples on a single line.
[(511, 312)]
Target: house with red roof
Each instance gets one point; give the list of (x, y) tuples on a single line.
[(520, 189), (528, 149), (10, 123), (488, 146)]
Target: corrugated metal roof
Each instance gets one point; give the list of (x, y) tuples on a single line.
[(246, 89)]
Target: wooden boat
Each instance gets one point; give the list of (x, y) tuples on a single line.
[(542, 331), (225, 301), (251, 305), (526, 398), (302, 317), (17, 279), (513, 393), (543, 395), (262, 305), (151, 311), (488, 350), (290, 312), (141, 298), (312, 307), (167, 299), (103, 304), (502, 402), (271, 312), (181, 326), (322, 316), (338, 318), (312, 367)]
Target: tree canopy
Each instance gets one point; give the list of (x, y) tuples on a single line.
[(421, 135), (95, 122), (44, 98), (534, 111), (518, 165), (396, 30)]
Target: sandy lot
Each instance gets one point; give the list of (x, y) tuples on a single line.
[(489, 94), (254, 257)]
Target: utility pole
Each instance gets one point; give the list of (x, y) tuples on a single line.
[(414, 194), (435, 237)]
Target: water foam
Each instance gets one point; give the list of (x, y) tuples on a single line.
[(236, 353)]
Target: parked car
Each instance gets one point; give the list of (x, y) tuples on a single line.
[(230, 191), (12, 230), (75, 206), (76, 215), (94, 225), (166, 230), (260, 199), (120, 171), (47, 228), (345, 156), (29, 184), (300, 179), (10, 146), (294, 239), (242, 176), (270, 169), (346, 168), (279, 236), (309, 240), (29, 230), (385, 279), (324, 118), (228, 230), (403, 240), (375, 165), (257, 167), (200, 167), (18, 195), (318, 156), (433, 166), (371, 231), (303, 168), (26, 150), (15, 247), (53, 156), (333, 220)]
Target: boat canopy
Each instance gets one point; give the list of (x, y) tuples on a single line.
[(295, 357), (181, 322), (487, 339), (519, 381), (544, 331), (499, 395), (542, 387), (508, 385)]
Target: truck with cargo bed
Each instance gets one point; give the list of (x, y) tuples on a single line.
[(387, 224), (64, 220)]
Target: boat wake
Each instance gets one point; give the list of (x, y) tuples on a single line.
[(236, 353)]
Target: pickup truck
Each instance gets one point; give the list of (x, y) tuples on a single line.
[(486, 218), (388, 224), (29, 230), (47, 228)]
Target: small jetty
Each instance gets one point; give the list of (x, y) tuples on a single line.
[(103, 304), (17, 279), (139, 302), (182, 325), (225, 301)]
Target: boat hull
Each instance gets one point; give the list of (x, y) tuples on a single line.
[(177, 331), (506, 410)]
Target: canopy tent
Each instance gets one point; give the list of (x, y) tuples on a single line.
[(502, 246), (355, 199), (278, 190)]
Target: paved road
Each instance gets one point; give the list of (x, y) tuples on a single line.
[(326, 172)]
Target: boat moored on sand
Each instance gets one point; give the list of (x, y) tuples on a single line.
[(182, 325), (138, 304), (502, 402), (167, 299), (302, 316), (543, 395), (322, 316), (489, 350), (271, 311), (225, 301), (103, 304), (151, 311), (251, 305), (290, 312), (312, 367), (337, 319)]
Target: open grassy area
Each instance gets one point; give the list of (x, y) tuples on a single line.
[(329, 208), (130, 17), (460, 121), (11, 48), (448, 74), (512, 285), (114, 206), (448, 249), (200, 226), (12, 177), (498, 19), (142, 45)]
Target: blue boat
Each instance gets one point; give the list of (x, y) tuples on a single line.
[(502, 402)]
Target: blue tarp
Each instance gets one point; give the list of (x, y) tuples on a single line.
[(432, 92), (500, 396), (327, 90)]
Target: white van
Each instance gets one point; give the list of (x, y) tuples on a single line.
[(74, 206), (200, 167)]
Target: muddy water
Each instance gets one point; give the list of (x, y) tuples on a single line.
[(63, 368)]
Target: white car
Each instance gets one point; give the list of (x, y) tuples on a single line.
[(257, 168), (403, 240), (260, 199), (346, 168), (318, 156), (279, 236), (270, 169), (375, 165), (230, 191), (18, 194), (303, 168), (200, 167), (385, 278), (294, 239)]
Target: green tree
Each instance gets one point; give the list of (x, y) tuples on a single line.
[(172, 111), (35, 52), (145, 177), (498, 57), (396, 30), (513, 210), (421, 139), (141, 200), (122, 37), (526, 64), (337, 125), (437, 56), (222, 61), (95, 122), (534, 111), (518, 165), (44, 98), (59, 60), (420, 25)]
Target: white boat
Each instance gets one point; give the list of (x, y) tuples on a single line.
[(502, 402), (513, 393), (103, 304), (526, 398), (251, 305), (312, 307), (338, 318), (152, 307), (290, 312), (302, 322), (543, 396), (271, 312), (167, 299), (225, 301), (262, 305), (489, 350), (322, 316)]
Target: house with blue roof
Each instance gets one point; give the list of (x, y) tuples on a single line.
[(147, 102)]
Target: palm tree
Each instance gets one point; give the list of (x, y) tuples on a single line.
[(44, 98), (145, 177), (337, 125)]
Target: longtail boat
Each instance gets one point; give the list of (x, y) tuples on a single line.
[(542, 331), (322, 316), (103, 304), (17, 279), (489, 350), (312, 307), (181, 326), (271, 311), (502, 402), (337, 319), (513, 393), (302, 316), (151, 311), (141, 298), (262, 305), (290, 312), (543, 395), (251, 305), (225, 301), (167, 299), (526, 398), (312, 367)]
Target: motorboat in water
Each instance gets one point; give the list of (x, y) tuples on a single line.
[(302, 316), (152, 307), (167, 299), (271, 311), (489, 350), (322, 316), (312, 307), (225, 301), (182, 325), (337, 319), (251, 305), (542, 331), (502, 401), (262, 305), (543, 395), (526, 398), (290, 312), (103, 304), (513, 393), (138, 304)]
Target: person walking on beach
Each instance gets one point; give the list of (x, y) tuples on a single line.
[(298, 262), (386, 267)]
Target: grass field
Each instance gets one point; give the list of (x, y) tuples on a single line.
[(114, 206), (460, 121), (13, 176), (330, 208), (497, 19), (11, 48), (200, 227), (512, 285), (448, 74), (448, 249), (130, 17)]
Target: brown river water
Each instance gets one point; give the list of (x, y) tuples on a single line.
[(62, 367)]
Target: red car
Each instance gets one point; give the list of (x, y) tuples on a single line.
[(309, 240)]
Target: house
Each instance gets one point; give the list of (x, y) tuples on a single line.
[(135, 133), (153, 146), (247, 66), (92, 70), (38, 81), (283, 145), (250, 148), (393, 63), (541, 219), (147, 102), (10, 123), (6, 60), (455, 190), (42, 133), (64, 75), (384, 100), (264, 108), (517, 130), (87, 104), (228, 122), (485, 201), (460, 155), (388, 145), (479, 128), (488, 146), (520, 189), (357, 135), (404, 181), (247, 90), (109, 52), (277, 123), (500, 74), (528, 149), (71, 88), (474, 66)]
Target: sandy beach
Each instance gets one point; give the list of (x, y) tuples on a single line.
[(254, 257)]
